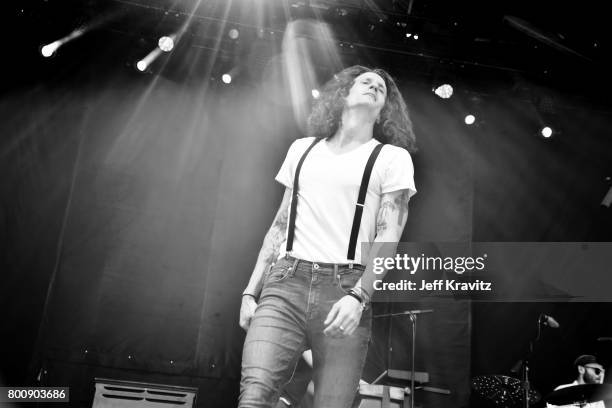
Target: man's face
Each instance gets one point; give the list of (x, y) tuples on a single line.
[(368, 89), (593, 374)]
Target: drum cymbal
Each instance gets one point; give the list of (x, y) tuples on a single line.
[(501, 390), (580, 393)]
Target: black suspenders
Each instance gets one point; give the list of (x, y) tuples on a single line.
[(363, 189), (294, 196)]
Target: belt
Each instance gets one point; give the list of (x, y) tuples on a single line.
[(317, 265)]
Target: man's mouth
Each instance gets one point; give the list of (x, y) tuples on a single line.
[(371, 94)]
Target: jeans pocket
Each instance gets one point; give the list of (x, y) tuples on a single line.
[(279, 272), (347, 279)]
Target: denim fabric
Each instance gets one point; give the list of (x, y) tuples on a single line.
[(295, 300), (295, 391)]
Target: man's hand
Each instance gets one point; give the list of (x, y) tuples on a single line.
[(247, 310), (343, 318)]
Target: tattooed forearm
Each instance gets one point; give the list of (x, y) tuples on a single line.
[(271, 246), (275, 237)]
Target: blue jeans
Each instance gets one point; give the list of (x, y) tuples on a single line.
[(296, 298)]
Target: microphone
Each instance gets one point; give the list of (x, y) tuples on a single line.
[(549, 321), (604, 339)]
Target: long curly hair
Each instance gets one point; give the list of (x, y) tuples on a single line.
[(394, 127)]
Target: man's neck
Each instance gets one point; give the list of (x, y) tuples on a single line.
[(356, 128)]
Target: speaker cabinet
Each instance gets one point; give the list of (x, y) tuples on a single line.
[(129, 394)]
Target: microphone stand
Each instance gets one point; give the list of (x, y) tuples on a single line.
[(412, 314), (525, 368), (413, 320), (525, 375)]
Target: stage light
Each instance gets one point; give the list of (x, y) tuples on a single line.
[(226, 78), (315, 93), (166, 44), (415, 37), (408, 35), (546, 132), (233, 34), (444, 91), (470, 119), (141, 65), (49, 49), (146, 62)]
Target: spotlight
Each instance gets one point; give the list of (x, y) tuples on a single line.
[(408, 35), (415, 37), (146, 62), (444, 91), (470, 119), (49, 49), (546, 132), (233, 34), (226, 78), (166, 44), (315, 93), (141, 66)]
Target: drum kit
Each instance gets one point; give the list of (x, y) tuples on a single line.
[(580, 395), (510, 392), (502, 391), (506, 392)]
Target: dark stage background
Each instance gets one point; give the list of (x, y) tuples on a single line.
[(134, 206)]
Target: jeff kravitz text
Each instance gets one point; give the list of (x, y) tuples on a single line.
[(435, 285), (410, 264)]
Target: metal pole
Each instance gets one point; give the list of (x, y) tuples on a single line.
[(413, 319)]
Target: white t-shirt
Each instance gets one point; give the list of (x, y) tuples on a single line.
[(598, 404), (327, 194)]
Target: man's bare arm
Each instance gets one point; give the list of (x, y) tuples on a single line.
[(392, 215), (390, 222), (270, 248), (344, 316)]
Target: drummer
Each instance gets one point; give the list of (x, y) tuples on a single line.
[(590, 371)]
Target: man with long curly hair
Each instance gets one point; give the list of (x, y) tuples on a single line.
[(349, 182)]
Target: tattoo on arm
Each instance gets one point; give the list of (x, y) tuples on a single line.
[(402, 203), (387, 206), (275, 237)]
